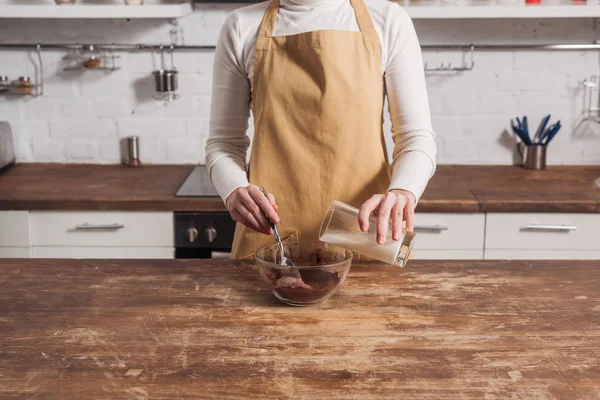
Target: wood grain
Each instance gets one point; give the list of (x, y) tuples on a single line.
[(210, 330), (464, 188), (514, 189), (99, 187)]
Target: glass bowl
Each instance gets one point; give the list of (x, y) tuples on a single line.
[(319, 271)]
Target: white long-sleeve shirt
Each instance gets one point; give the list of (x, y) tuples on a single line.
[(402, 70)]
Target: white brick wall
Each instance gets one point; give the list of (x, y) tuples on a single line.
[(84, 116)]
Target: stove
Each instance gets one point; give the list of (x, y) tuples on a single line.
[(202, 234)]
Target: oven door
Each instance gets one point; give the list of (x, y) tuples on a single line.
[(203, 234)]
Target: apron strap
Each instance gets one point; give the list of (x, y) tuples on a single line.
[(267, 26), (363, 17)]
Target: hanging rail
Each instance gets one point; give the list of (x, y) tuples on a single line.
[(157, 47)]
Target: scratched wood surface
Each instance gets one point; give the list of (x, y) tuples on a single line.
[(184, 329), (453, 188)]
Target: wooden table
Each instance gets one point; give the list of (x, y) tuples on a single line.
[(175, 329)]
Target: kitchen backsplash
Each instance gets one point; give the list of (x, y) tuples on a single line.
[(82, 115)]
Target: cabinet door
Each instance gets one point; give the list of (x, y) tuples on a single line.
[(15, 252), (519, 254), (543, 231), (14, 229), (112, 229), (447, 254), (104, 252), (440, 231)]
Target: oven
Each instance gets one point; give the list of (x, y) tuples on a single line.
[(203, 234)]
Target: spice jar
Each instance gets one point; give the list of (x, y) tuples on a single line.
[(61, 2), (4, 84), (92, 62), (24, 85), (91, 57)]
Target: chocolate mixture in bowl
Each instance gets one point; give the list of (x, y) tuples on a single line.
[(319, 270), (316, 283)]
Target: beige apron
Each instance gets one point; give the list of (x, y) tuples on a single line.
[(318, 124)]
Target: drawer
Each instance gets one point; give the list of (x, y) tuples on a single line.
[(15, 252), (542, 231), (449, 231), (14, 229), (118, 229), (542, 254), (104, 252), (447, 254)]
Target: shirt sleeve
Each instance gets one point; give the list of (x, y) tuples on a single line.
[(414, 140), (228, 141)]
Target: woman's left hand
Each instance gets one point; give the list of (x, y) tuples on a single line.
[(395, 206)]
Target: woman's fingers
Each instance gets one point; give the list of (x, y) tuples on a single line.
[(383, 217), (396, 217), (264, 203), (409, 216), (365, 211), (242, 215), (255, 210)]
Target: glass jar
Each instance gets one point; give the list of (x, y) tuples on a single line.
[(24, 85), (340, 227)]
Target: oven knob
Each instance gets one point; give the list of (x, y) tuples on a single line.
[(211, 234), (191, 234)]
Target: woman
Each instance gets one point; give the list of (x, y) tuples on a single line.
[(315, 74)]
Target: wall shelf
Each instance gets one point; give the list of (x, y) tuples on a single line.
[(164, 11), (506, 12)]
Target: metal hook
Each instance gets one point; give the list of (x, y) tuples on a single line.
[(172, 61), (162, 57), (40, 86)]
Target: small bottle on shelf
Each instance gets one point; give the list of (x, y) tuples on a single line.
[(23, 85)]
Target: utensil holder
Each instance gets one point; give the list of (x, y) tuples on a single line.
[(532, 157)]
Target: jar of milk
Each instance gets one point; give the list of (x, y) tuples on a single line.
[(340, 227)]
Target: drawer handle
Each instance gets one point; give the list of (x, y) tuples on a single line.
[(556, 228), (431, 228), (88, 227)]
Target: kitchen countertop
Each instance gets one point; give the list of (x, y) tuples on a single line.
[(152, 188), (184, 329)]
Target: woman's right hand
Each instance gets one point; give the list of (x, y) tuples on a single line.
[(248, 206)]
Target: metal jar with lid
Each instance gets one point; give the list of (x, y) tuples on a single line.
[(4, 84)]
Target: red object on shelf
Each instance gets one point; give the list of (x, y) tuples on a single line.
[(533, 1)]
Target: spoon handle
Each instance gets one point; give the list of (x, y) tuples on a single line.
[(273, 226)]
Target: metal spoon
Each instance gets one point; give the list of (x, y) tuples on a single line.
[(291, 275), (284, 260)]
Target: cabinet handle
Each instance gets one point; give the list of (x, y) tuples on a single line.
[(431, 228), (558, 228), (88, 227)]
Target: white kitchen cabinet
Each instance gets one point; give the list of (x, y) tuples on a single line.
[(447, 254), (542, 235), (14, 229), (15, 252), (103, 252), (14, 234), (449, 236), (93, 229), (518, 254)]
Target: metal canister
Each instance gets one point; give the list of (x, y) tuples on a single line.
[(133, 151), (4, 84)]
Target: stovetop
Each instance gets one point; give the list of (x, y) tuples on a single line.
[(197, 184)]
